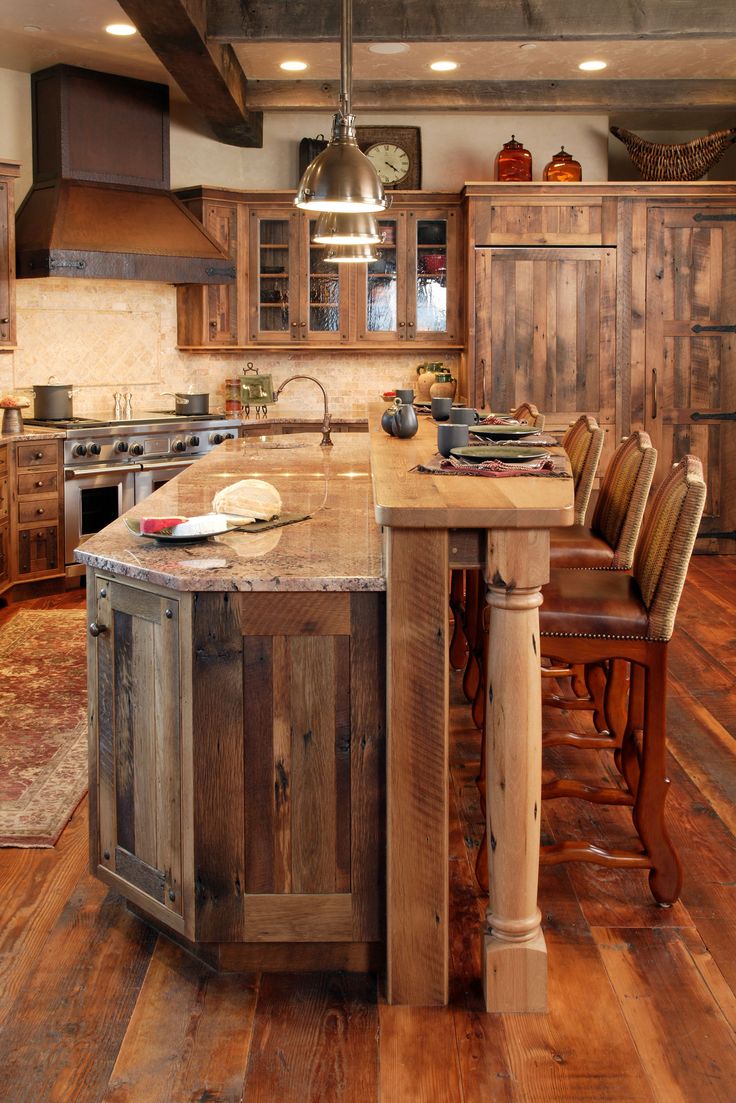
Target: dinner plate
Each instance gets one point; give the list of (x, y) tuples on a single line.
[(191, 530), (478, 453), (503, 432)]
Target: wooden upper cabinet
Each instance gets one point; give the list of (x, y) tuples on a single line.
[(288, 293), (545, 221), (207, 315), (545, 331), (690, 396), (8, 172)]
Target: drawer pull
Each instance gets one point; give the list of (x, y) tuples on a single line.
[(38, 455), (40, 510), (40, 482), (95, 629)]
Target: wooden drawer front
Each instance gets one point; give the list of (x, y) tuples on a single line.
[(39, 510), (3, 461), (37, 482), (38, 550), (38, 454), (541, 223), (3, 497)]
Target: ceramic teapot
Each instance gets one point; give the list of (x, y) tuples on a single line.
[(400, 420)]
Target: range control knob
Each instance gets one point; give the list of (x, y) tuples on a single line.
[(229, 436), (120, 446), (93, 448), (79, 450), (136, 449), (179, 446), (193, 442), (216, 438)]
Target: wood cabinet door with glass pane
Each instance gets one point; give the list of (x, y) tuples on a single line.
[(691, 353), (380, 287), (324, 306), (273, 276), (545, 332), (433, 277)]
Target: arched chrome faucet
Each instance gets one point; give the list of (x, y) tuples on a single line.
[(326, 439)]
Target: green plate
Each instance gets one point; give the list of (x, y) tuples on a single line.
[(509, 453), (503, 432)]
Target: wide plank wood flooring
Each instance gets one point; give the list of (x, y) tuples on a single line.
[(97, 1008)]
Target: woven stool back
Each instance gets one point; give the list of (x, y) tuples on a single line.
[(583, 443), (619, 511)]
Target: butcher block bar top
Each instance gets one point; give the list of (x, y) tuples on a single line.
[(338, 548)]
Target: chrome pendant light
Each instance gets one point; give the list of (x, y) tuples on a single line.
[(341, 178), (351, 254), (346, 229)]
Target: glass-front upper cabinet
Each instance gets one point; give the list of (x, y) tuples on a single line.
[(433, 284), (323, 306), (273, 308), (382, 285), (411, 292)]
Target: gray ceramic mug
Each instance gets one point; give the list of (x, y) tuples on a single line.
[(406, 394), (451, 436), (441, 408), (463, 415)]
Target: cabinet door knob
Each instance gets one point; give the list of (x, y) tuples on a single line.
[(4, 321), (95, 628)]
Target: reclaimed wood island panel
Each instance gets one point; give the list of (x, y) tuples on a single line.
[(237, 716)]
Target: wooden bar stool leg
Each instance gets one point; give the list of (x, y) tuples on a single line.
[(480, 701), (665, 878), (458, 643), (472, 627), (627, 758)]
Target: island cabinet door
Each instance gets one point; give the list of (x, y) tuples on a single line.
[(288, 701), (136, 764)]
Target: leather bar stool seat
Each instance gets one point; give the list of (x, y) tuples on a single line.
[(588, 603), (580, 548)]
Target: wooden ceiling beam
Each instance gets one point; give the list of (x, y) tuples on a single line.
[(469, 21), (581, 96), (208, 73)]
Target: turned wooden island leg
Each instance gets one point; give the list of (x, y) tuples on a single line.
[(514, 953), (417, 764)]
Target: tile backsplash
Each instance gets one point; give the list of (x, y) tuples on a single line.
[(103, 336)]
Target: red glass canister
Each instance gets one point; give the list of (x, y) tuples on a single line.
[(563, 168), (513, 162)]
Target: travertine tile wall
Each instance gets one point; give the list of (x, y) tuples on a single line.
[(102, 336)]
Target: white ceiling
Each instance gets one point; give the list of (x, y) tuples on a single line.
[(38, 33)]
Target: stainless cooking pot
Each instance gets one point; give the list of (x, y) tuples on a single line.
[(198, 403), (53, 402)]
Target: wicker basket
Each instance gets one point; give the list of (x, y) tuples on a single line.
[(670, 161)]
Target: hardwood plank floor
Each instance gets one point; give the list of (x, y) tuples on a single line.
[(97, 1008)]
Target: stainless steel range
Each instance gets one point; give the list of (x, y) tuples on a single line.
[(111, 465)]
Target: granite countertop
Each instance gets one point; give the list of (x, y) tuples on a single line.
[(339, 548), (32, 432)]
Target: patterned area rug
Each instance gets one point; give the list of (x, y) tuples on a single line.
[(43, 724)]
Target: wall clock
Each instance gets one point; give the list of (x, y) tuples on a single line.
[(396, 153)]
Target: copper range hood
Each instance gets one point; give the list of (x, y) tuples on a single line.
[(100, 205)]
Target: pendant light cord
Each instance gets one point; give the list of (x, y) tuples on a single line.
[(346, 56)]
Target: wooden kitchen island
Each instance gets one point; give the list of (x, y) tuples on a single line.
[(237, 712), (242, 791)]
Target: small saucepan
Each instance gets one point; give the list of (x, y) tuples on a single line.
[(198, 403)]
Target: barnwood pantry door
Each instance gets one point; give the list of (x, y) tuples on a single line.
[(136, 688), (691, 353), (545, 331)]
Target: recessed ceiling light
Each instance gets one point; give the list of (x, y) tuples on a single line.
[(592, 66), (443, 66), (31, 29), (293, 66), (123, 30), (389, 48)]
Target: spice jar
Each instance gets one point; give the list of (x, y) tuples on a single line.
[(513, 162), (233, 404), (563, 168)]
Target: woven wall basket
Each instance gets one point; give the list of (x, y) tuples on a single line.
[(670, 161)]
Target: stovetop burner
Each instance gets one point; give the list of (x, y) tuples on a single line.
[(64, 423)]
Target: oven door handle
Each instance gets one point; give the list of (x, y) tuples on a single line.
[(100, 469), (156, 465)]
